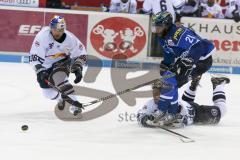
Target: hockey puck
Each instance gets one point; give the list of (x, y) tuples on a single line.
[(24, 127)]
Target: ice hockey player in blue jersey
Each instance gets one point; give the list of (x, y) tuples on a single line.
[(164, 109), (185, 52)]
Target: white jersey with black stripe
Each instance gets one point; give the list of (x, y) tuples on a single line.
[(155, 6), (230, 8), (46, 50), (117, 6)]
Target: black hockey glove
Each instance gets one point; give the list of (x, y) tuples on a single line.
[(78, 74), (42, 74), (236, 17), (77, 70), (183, 66)]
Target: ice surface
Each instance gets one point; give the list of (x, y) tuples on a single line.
[(107, 137)]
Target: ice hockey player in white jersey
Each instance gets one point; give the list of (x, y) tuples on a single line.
[(55, 47), (123, 6), (155, 6), (232, 11), (166, 110), (191, 9), (211, 9)]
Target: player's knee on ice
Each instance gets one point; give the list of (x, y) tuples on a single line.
[(51, 94)]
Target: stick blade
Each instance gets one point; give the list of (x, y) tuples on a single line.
[(187, 140)]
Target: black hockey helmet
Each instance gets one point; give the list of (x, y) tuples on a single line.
[(162, 18), (124, 1)]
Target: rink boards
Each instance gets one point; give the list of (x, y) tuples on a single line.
[(107, 36)]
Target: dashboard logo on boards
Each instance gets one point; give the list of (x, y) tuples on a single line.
[(28, 30), (118, 38)]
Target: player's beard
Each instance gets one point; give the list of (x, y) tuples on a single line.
[(163, 33), (57, 36), (160, 31)]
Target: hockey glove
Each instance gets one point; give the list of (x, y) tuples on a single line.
[(78, 74), (183, 69), (236, 17), (77, 70), (42, 74), (142, 119), (184, 66)]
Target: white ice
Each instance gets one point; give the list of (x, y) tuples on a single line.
[(107, 137)]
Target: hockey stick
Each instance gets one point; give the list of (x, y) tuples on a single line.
[(183, 138), (128, 90), (66, 97)]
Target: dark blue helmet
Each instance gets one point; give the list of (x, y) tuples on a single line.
[(162, 18)]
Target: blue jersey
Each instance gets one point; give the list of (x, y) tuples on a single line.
[(169, 96), (182, 42)]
